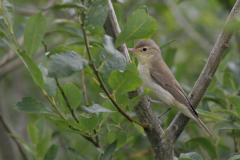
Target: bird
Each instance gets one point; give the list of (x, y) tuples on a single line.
[(156, 76)]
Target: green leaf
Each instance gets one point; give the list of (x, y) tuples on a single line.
[(59, 49), (224, 62), (139, 128), (10, 44), (117, 117), (118, 135), (98, 13), (237, 110), (191, 155), (208, 115), (206, 144), (69, 30), (34, 33), (42, 146), (235, 101), (65, 64), (228, 81), (72, 94), (226, 124), (116, 61), (31, 105), (33, 133), (109, 151), (5, 32), (139, 25), (228, 112), (71, 121), (33, 69), (124, 82), (133, 102), (7, 9), (40, 125), (145, 8), (50, 85), (185, 159), (169, 55), (108, 45), (235, 157), (166, 44), (77, 154), (51, 153), (88, 123), (96, 108), (65, 5)]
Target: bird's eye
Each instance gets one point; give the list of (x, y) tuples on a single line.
[(144, 49)]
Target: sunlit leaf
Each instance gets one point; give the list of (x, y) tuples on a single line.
[(33, 133)]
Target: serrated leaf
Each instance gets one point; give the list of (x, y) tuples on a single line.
[(42, 146), (166, 44), (77, 154), (7, 9), (65, 5), (40, 124), (226, 124), (65, 64), (33, 134), (51, 153), (124, 81), (206, 144), (109, 151), (139, 25), (235, 101), (96, 108), (118, 135), (31, 105), (33, 69), (88, 123), (98, 13), (50, 85), (191, 155), (34, 33), (208, 115)]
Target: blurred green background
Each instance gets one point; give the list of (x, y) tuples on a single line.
[(186, 57)]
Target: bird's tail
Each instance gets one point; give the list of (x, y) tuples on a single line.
[(203, 125)]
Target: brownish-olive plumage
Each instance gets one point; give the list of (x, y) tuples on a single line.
[(152, 69)]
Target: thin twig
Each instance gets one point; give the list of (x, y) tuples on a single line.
[(10, 132), (67, 102), (83, 82), (144, 125)]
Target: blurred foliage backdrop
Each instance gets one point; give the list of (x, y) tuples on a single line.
[(185, 56)]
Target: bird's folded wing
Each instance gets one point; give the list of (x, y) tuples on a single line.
[(168, 82)]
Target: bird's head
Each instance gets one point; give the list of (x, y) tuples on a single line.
[(145, 50)]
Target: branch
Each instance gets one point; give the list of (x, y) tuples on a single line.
[(83, 82), (183, 22), (67, 102), (96, 71), (200, 87), (10, 132), (162, 148)]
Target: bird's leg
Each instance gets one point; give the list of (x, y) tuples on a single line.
[(153, 101), (164, 113)]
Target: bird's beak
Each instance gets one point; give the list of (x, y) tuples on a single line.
[(132, 50)]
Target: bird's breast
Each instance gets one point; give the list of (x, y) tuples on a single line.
[(160, 94)]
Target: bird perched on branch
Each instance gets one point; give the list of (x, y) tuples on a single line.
[(156, 75)]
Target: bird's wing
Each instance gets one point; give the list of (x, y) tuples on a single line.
[(168, 82)]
